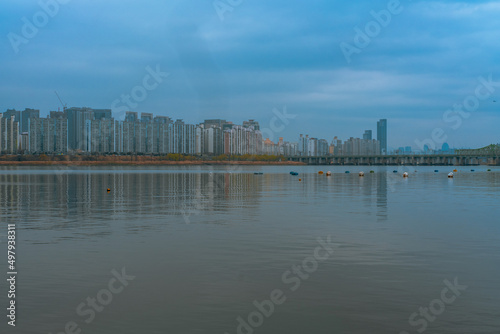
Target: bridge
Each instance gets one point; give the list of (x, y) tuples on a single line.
[(397, 160), (489, 155)]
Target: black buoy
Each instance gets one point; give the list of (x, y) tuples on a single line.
[(109, 190)]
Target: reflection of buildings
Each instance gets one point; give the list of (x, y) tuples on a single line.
[(374, 194), (382, 196), (83, 196), (75, 204), (345, 194)]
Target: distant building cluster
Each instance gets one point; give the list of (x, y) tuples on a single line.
[(280, 148), (86, 130), (96, 131), (362, 146), (312, 146), (445, 149), (355, 146)]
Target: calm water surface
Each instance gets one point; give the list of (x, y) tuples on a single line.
[(204, 243)]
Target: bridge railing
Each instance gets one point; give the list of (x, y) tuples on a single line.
[(455, 155)]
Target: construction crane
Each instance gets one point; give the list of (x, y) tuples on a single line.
[(65, 105)]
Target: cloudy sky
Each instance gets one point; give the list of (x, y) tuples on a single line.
[(331, 65)]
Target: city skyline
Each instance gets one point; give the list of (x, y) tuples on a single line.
[(22, 117), (417, 145), (237, 64), (97, 131), (380, 130)]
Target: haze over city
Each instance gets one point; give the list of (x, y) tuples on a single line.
[(241, 61)]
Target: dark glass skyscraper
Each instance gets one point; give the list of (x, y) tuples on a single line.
[(382, 135), (102, 114), (12, 112), (25, 117)]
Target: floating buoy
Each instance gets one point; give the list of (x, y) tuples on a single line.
[(450, 175), (394, 171), (455, 170), (405, 174), (436, 171), (294, 173), (361, 174), (372, 171), (109, 190), (320, 172), (347, 172), (489, 170), (472, 170), (328, 173), (300, 179)]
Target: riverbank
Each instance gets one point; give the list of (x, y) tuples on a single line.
[(148, 163)]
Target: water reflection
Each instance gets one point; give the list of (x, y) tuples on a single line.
[(80, 199), (382, 196), (397, 244)]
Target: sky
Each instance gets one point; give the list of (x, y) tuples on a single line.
[(320, 67)]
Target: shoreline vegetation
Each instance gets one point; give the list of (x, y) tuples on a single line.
[(140, 160)]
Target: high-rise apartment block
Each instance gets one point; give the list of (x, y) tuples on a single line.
[(47, 135), (358, 146), (9, 134), (78, 129)]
